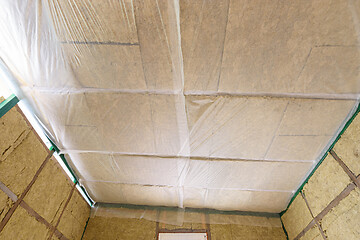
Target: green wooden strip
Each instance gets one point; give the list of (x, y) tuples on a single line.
[(283, 227), (69, 168), (8, 104), (87, 222), (56, 149), (87, 195), (76, 181)]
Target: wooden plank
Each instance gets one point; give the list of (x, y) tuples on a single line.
[(8, 104)]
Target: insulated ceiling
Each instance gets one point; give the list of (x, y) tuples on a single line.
[(205, 104)]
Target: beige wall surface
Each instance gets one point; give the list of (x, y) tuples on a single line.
[(45, 204), (328, 205), (129, 229)]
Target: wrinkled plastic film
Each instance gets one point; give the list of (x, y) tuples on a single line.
[(176, 216), (221, 105)]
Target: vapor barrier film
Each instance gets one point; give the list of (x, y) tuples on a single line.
[(222, 105)]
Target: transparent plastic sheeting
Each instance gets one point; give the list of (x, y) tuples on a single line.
[(203, 104), (177, 216)]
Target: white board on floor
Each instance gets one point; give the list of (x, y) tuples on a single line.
[(182, 236)]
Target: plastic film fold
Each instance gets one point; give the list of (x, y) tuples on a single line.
[(212, 105)]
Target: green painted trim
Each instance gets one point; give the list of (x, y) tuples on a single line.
[(53, 145), (192, 210), (347, 124), (82, 236), (69, 168), (75, 177), (8, 104), (87, 196), (57, 150), (284, 229)]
